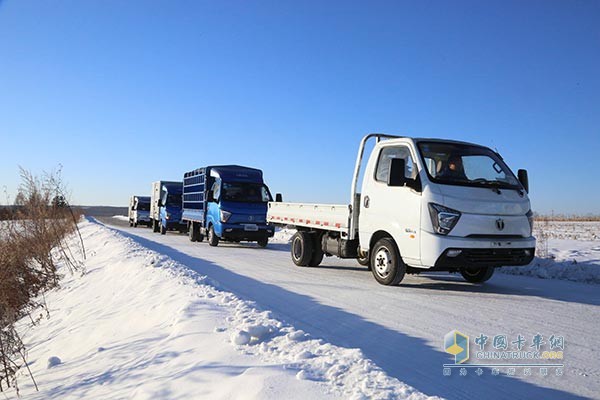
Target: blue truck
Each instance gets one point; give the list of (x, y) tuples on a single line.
[(226, 203), (165, 207)]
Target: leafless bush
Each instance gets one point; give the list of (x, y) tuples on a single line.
[(33, 243), (543, 228)]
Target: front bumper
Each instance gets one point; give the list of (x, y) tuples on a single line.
[(479, 258), (241, 232), (476, 252)]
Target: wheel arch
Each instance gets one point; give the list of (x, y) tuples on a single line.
[(380, 235)]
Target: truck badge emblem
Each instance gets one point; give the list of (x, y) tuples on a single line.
[(500, 224), (251, 218)]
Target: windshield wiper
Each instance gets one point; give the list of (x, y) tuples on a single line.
[(496, 186)]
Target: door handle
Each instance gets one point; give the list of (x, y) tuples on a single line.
[(367, 202)]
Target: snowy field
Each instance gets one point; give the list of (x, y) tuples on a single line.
[(566, 250), (163, 318), (574, 230)]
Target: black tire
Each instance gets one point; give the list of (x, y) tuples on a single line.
[(318, 254), (302, 248), (477, 275), (193, 232), (364, 259), (263, 242), (386, 263), (155, 227), (213, 240), (163, 229)]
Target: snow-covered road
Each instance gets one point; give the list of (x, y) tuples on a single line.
[(402, 328)]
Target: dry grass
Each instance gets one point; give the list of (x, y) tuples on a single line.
[(568, 218), (32, 246)]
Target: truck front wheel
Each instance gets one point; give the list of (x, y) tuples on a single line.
[(386, 264), (477, 275), (263, 242), (213, 240), (302, 248)]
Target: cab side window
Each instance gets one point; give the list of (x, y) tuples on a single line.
[(385, 157), (216, 189)]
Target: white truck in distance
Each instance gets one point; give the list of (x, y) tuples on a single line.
[(139, 210), (425, 204)]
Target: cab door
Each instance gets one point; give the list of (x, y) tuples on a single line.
[(395, 210)]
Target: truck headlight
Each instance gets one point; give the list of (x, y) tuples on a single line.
[(443, 218), (225, 215), (529, 216)]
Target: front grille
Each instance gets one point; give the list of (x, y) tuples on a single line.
[(485, 258), (498, 257)]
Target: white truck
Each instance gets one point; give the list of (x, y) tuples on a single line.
[(425, 205), (139, 210)]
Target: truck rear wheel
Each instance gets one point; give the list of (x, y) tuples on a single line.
[(193, 232), (263, 242), (364, 259), (477, 275), (302, 248), (213, 240), (386, 263), (318, 254)]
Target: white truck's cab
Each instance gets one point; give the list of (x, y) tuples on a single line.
[(425, 204)]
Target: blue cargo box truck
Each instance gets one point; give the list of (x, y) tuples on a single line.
[(226, 203), (165, 207)]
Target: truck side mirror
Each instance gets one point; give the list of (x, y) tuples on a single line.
[(396, 174), (278, 198), (524, 179)]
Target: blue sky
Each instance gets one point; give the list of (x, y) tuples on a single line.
[(122, 93)]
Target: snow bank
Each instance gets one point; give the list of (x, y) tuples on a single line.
[(573, 260), (121, 217), (139, 325)]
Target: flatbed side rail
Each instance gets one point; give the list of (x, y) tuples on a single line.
[(330, 217)]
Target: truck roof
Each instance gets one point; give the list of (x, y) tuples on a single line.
[(232, 173), (438, 140)]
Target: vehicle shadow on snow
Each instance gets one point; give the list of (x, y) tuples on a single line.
[(514, 285), (409, 359)]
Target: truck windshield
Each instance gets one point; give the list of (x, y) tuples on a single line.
[(143, 206), (174, 200), (245, 192), (466, 165)]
